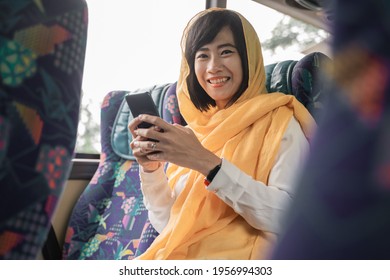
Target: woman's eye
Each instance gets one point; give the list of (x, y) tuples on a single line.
[(201, 56), (226, 52)]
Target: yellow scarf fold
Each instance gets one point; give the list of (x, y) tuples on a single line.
[(247, 134)]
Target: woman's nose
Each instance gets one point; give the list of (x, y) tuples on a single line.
[(215, 65)]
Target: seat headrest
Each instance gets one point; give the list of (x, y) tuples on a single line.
[(307, 83), (300, 78), (120, 134), (278, 76)]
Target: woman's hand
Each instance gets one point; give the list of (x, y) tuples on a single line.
[(174, 143), (142, 147)]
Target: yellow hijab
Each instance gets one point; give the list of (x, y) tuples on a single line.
[(247, 134)]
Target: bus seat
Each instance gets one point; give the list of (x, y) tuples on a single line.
[(42, 48), (300, 78), (110, 221)]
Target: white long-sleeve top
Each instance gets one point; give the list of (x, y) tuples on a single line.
[(260, 205)]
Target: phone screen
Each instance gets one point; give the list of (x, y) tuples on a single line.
[(142, 103)]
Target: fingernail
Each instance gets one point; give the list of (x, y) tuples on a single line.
[(152, 156)]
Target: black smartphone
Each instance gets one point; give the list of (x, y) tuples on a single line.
[(142, 103)]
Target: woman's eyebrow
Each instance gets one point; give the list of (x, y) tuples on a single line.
[(219, 47), (226, 45)]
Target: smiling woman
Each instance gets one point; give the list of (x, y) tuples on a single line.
[(245, 194)]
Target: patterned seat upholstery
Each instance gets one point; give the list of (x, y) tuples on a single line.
[(42, 48), (110, 221)]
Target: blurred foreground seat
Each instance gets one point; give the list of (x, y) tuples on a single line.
[(42, 48)]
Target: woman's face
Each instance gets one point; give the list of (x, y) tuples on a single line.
[(218, 68)]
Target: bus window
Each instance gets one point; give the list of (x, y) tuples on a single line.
[(283, 37), (131, 44)]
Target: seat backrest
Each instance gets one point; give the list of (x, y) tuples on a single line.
[(42, 48), (300, 78), (110, 221)]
